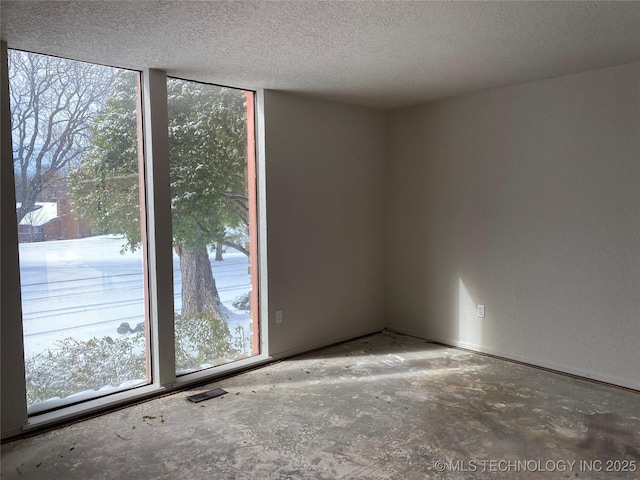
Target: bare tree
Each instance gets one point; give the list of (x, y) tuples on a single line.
[(53, 103)]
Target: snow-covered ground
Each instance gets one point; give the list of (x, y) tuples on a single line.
[(86, 288)]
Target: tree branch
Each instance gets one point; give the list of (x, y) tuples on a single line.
[(241, 249)]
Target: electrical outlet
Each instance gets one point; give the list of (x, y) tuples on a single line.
[(481, 311), (278, 316)]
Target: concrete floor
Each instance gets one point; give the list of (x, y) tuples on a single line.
[(381, 407)]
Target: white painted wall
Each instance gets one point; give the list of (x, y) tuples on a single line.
[(525, 199), (324, 202)]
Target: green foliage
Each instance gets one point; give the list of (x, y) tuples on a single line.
[(207, 150), (75, 365), (105, 186)]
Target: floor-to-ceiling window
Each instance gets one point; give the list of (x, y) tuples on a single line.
[(78, 209), (82, 188), (209, 158)]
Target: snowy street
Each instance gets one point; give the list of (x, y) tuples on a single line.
[(86, 288)]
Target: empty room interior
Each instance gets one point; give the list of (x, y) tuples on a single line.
[(437, 220)]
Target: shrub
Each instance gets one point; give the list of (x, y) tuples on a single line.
[(76, 365), (72, 366), (202, 340)]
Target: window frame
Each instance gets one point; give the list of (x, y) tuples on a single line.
[(157, 215)]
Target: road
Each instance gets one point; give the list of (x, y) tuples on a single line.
[(86, 288)]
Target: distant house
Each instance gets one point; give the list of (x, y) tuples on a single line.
[(31, 227), (52, 221)]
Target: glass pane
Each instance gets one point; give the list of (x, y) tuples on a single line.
[(212, 185), (75, 131)]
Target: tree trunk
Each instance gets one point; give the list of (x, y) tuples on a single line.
[(199, 292), (219, 252)]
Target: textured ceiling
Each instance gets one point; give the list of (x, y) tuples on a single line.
[(379, 54)]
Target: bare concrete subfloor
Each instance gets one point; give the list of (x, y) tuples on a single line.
[(381, 407)]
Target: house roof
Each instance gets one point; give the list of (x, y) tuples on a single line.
[(46, 212)]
